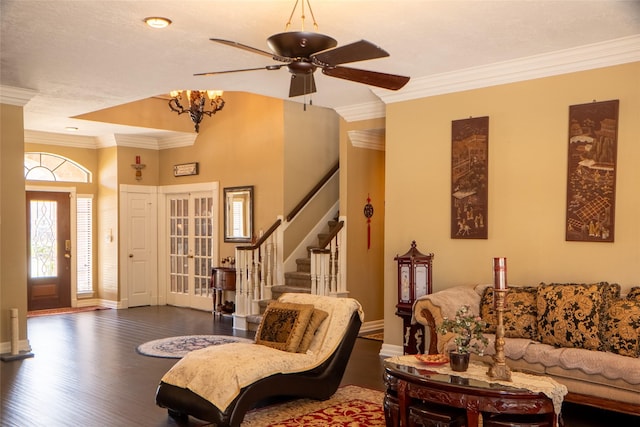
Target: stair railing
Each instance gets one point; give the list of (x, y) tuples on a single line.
[(327, 276), (256, 267)]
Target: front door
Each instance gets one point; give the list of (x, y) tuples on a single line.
[(48, 250)]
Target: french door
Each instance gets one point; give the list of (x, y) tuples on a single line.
[(191, 246), (48, 250)]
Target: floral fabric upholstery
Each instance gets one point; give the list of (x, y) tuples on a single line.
[(622, 328), (520, 316), (569, 315), (283, 325), (634, 293)]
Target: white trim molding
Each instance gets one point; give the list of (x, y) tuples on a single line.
[(373, 139), (597, 55), (16, 96)]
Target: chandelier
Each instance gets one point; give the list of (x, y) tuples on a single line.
[(196, 103)]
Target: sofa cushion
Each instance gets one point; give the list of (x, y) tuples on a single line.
[(569, 315), (283, 325), (317, 317), (520, 315), (634, 293), (622, 328)]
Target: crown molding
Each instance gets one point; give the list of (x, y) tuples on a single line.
[(16, 96), (373, 139), (597, 55), (78, 141), (368, 110), (177, 141)]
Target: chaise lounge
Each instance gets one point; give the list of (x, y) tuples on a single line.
[(302, 348)]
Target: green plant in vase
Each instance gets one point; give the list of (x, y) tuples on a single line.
[(468, 329)]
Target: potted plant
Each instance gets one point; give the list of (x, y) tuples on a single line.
[(468, 329)]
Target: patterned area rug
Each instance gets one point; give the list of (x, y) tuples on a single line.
[(376, 336), (350, 406), (177, 347)]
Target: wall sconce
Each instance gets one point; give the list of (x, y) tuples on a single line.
[(138, 167)]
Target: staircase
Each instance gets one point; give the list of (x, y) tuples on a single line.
[(295, 281)]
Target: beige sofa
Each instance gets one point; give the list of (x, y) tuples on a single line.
[(585, 336)]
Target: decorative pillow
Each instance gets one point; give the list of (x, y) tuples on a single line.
[(520, 315), (317, 317), (634, 293), (569, 315), (283, 325), (622, 329)]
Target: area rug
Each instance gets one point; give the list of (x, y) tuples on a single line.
[(376, 336), (65, 310), (350, 406), (177, 347)]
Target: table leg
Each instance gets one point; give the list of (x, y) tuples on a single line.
[(473, 418), (403, 405)]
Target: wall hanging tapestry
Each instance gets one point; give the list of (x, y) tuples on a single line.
[(469, 178), (591, 177)]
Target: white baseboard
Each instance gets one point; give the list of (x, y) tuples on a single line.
[(23, 346), (374, 325), (388, 350)]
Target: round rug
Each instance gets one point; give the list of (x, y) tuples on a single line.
[(177, 347)]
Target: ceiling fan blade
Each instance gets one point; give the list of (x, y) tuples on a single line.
[(268, 67), (302, 84), (373, 78), (357, 51), (244, 47)]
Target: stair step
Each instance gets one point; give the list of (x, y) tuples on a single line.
[(303, 265)]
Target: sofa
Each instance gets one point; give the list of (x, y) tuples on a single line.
[(301, 350), (585, 336)]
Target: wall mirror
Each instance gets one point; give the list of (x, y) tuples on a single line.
[(238, 214)]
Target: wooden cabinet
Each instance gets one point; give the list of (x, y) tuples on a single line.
[(223, 279)]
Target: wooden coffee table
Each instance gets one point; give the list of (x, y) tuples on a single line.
[(411, 385)]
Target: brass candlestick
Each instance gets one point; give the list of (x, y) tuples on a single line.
[(499, 370)]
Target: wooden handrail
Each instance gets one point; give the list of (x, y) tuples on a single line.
[(262, 238), (332, 234), (313, 191)]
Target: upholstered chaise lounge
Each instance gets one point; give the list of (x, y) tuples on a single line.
[(221, 383)]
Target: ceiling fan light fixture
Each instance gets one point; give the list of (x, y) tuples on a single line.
[(157, 22)]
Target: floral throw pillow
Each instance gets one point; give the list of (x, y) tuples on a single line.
[(622, 328), (569, 315), (634, 293), (283, 325), (520, 315)]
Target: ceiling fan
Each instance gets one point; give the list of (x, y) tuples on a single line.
[(303, 52)]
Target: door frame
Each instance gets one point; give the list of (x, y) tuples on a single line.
[(73, 206), (124, 250), (163, 228)]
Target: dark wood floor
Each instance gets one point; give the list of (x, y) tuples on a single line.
[(86, 371)]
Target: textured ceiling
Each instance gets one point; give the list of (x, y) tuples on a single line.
[(83, 56)]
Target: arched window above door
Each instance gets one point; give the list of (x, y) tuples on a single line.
[(51, 167)]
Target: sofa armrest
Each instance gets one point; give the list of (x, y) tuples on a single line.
[(430, 310)]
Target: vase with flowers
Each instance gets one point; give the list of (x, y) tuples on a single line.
[(468, 329)]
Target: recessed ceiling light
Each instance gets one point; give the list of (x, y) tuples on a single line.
[(71, 129), (157, 22)]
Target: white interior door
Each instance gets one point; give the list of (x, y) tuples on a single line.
[(190, 248), (141, 241)]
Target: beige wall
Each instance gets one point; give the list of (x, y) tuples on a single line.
[(528, 128), (362, 173), (13, 227)]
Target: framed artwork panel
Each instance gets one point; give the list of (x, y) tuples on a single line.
[(591, 172), (469, 177)]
